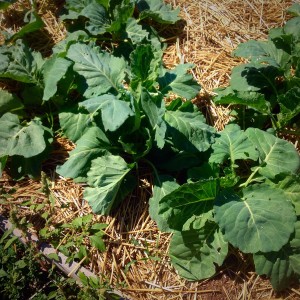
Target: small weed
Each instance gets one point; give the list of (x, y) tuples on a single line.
[(25, 274)]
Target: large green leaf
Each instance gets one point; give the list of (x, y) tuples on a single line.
[(264, 52), (92, 144), (188, 200), (4, 60), (232, 144), (9, 102), (179, 82), (114, 112), (196, 252), (126, 187), (280, 266), (289, 105), (253, 100), (282, 41), (102, 71), (74, 8), (188, 131), (105, 176), (17, 139), (77, 5), (275, 155), (98, 19), (19, 63), (275, 265), (163, 186), (73, 122), (254, 78), (145, 63), (292, 28), (158, 11), (294, 9), (120, 12), (154, 107), (135, 32), (20, 166), (290, 185), (258, 221), (62, 47), (54, 70), (295, 241)]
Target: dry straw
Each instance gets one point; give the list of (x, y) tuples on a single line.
[(136, 260)]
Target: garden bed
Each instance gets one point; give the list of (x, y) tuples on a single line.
[(135, 261)]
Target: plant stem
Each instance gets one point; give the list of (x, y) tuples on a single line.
[(154, 169), (245, 184), (274, 122)]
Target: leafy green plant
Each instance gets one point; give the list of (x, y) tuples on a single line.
[(27, 118), (266, 89), (17, 272), (121, 120), (122, 127), (94, 288), (20, 273), (46, 85), (246, 195), (78, 234), (119, 19), (23, 275)]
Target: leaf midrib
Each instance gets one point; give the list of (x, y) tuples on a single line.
[(199, 200), (95, 66), (252, 217)]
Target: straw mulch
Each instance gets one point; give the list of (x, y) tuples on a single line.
[(136, 260)]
